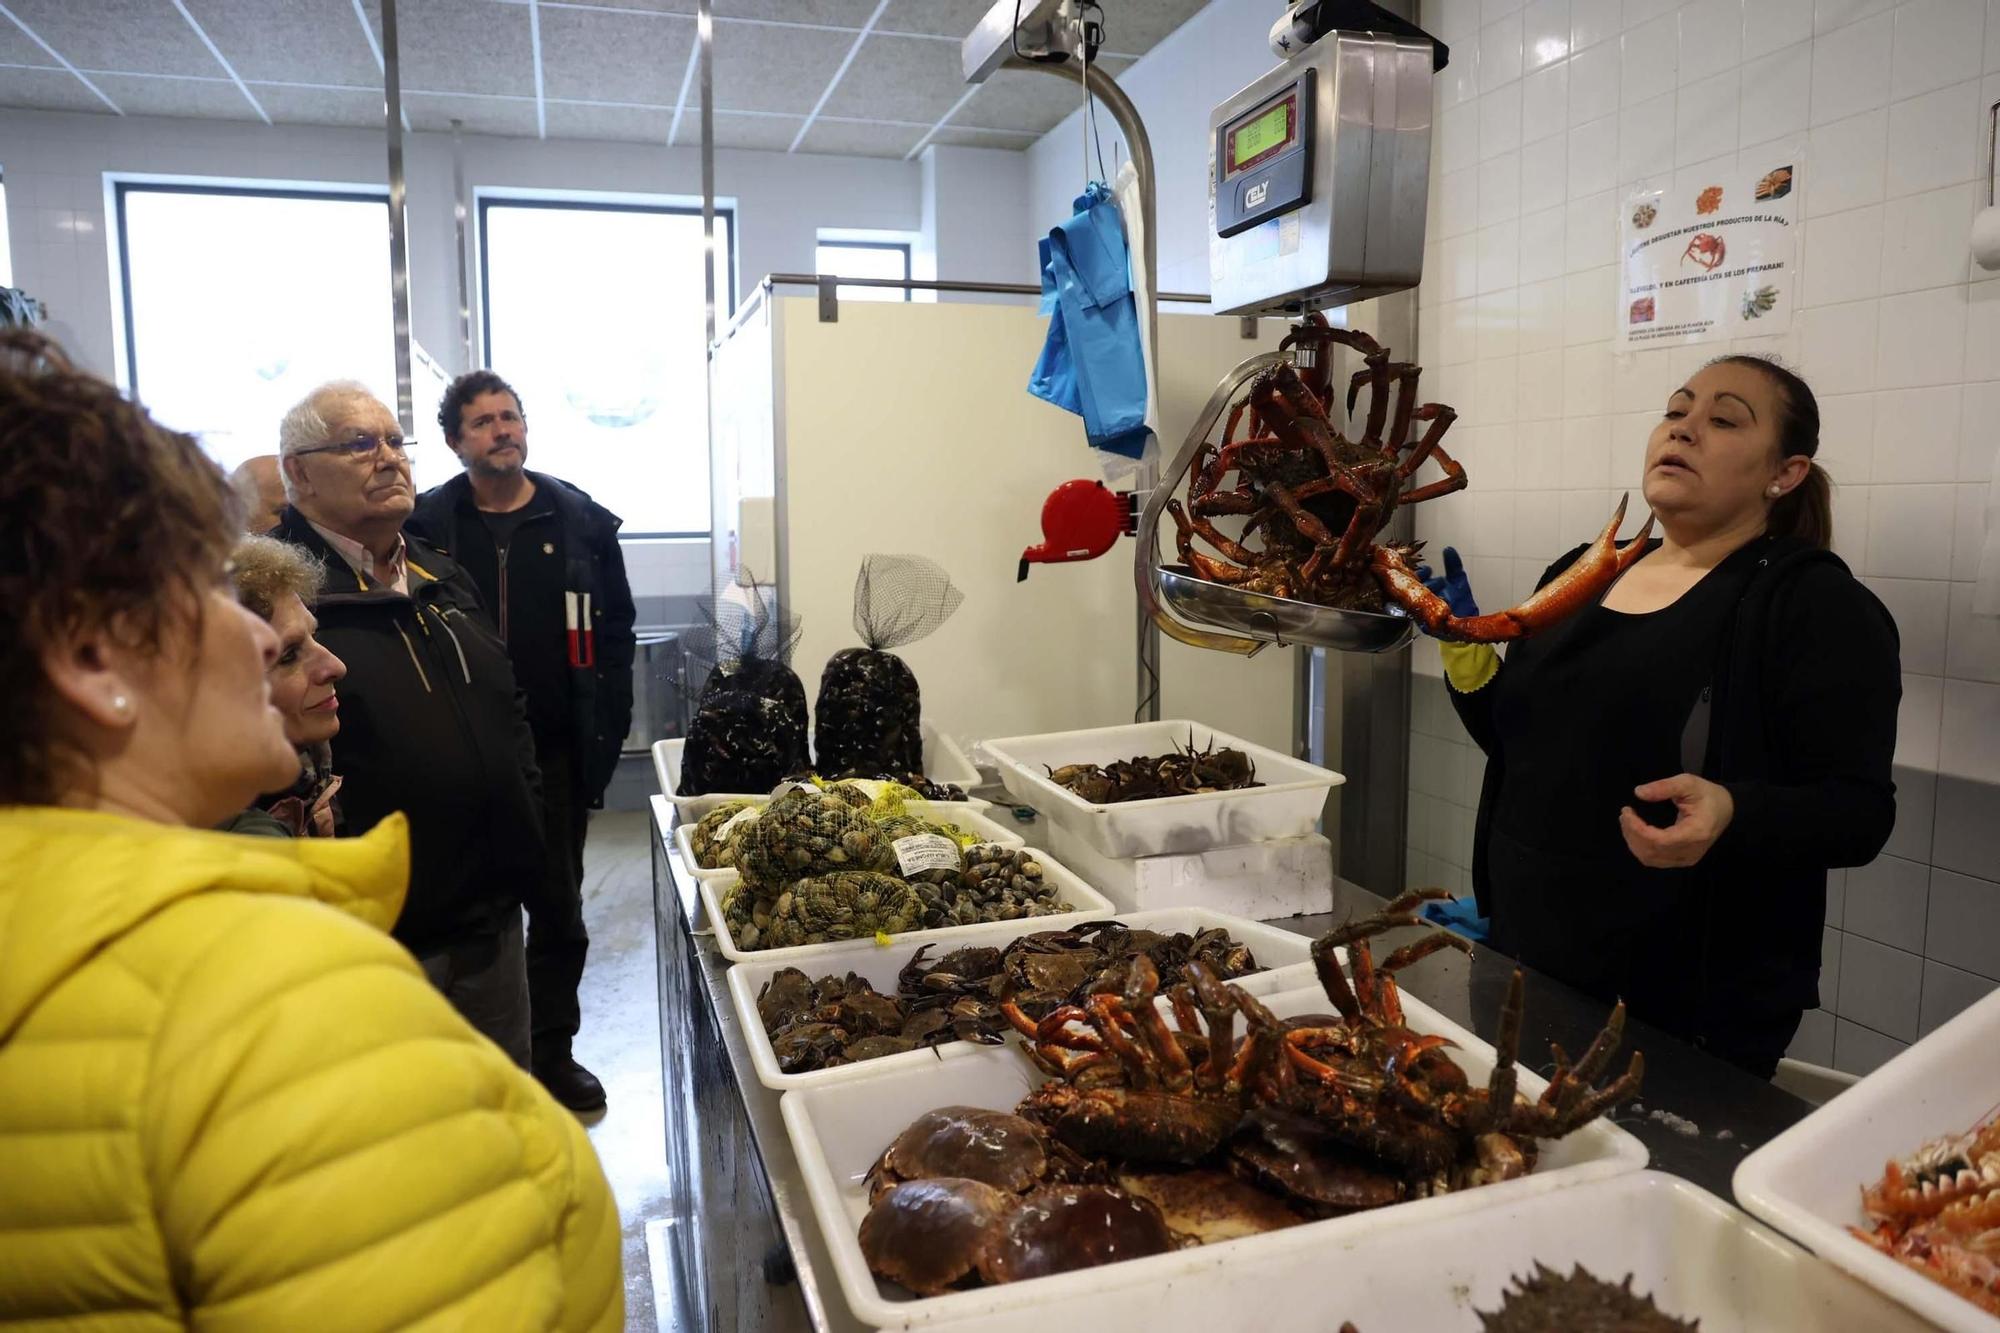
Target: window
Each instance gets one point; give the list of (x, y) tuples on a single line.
[(594, 313), (865, 259), (240, 301)]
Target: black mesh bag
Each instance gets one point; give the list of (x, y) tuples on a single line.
[(869, 710), (749, 727)]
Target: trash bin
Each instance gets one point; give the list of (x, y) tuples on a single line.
[(659, 677)]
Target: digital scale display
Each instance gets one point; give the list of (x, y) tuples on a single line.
[(1263, 134)]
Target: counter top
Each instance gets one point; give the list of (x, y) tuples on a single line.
[(1697, 1115)]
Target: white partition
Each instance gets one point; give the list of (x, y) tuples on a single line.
[(908, 428)]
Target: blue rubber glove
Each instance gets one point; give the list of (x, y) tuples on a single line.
[(1453, 586)]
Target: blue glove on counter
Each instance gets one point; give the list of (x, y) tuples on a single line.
[(1453, 586), (1459, 915)]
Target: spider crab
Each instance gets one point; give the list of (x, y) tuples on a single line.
[(1938, 1211), (1317, 500)]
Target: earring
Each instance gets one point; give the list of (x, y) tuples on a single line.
[(121, 705), (1775, 492)]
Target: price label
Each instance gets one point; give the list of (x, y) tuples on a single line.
[(926, 851)]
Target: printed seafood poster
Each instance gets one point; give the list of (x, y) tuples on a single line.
[(1716, 260)]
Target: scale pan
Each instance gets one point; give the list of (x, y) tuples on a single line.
[(1279, 620)]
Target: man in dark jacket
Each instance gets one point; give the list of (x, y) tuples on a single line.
[(431, 723), (547, 564)]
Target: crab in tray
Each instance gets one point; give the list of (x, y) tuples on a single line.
[(1316, 501), (1160, 1110)]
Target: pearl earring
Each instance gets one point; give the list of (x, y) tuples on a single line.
[(1775, 492), (120, 705)]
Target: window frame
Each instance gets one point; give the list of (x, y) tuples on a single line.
[(725, 217), (842, 243), (122, 188)]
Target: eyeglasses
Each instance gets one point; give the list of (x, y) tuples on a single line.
[(360, 446)]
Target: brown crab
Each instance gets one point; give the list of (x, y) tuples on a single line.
[(1004, 1151)]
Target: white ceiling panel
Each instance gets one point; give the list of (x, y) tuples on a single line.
[(509, 117), (462, 46), (860, 138), (46, 90), (781, 69), (289, 41), (899, 78), (356, 108), (629, 124), (146, 36), (596, 56), (201, 99)]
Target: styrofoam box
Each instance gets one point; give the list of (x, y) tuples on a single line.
[(1807, 1182), (1090, 905), (1287, 805), (1285, 956), (839, 1129), (943, 762), (958, 814), (1260, 880)]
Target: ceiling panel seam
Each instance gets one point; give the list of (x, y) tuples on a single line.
[(932, 133), (535, 48), (227, 68), (839, 74), (680, 101), (58, 57), (375, 49)]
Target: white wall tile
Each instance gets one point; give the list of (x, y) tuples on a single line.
[(1631, 433), (1968, 531), (1949, 992), (1982, 331), (1646, 139), (1992, 36), (1813, 1042), (1461, 266), (1886, 903), (1593, 157), (1589, 300), (1538, 532), (1771, 24), (1544, 175), (1458, 203), (1497, 313), (1499, 256), (1843, 256), (1937, 43), (1918, 719), (1584, 514), (1849, 73), (1711, 37), (1925, 238), (1542, 244), (1860, 1050), (1830, 941), (1641, 381), (1539, 460), (1500, 120), (1545, 103), (1499, 386), (1847, 162), (1594, 21), (1586, 453), (1461, 331), (1833, 14), (1916, 436), (1970, 745), (1915, 831), (1638, 13), (1847, 436), (1650, 60), (1907, 538), (1921, 609), (1457, 136), (1935, 140), (1590, 236), (1836, 896), (1880, 987), (1544, 33), (1500, 189), (1839, 343), (1978, 429), (1922, 338), (1541, 314), (1540, 394), (1963, 926), (1593, 84), (1972, 648), (1500, 52), (1706, 120), (1777, 92)]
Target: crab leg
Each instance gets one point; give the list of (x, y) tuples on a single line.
[(1569, 592), (1105, 1017), (1392, 1002), (1500, 1087)]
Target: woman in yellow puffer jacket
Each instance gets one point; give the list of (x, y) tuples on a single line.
[(228, 1100)]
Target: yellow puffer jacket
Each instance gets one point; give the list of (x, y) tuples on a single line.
[(228, 1100)]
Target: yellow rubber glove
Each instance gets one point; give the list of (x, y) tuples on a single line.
[(1469, 666)]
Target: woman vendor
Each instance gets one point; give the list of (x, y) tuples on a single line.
[(1672, 771)]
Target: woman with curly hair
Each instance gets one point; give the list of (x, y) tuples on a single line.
[(228, 1100)]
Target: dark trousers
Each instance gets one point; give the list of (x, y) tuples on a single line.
[(557, 940), (484, 980)]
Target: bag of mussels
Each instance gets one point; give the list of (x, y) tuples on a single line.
[(868, 717), (749, 727)]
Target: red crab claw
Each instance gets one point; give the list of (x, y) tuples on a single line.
[(1564, 595)]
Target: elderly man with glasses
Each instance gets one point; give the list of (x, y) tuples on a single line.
[(431, 721)]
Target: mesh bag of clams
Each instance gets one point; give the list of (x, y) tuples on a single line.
[(868, 716), (749, 728), (804, 834)]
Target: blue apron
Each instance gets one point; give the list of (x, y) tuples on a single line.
[(1093, 363)]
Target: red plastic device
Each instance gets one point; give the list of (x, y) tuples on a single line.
[(1081, 520)]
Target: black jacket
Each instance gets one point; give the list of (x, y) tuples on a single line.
[(431, 724), (601, 694), (1802, 731)]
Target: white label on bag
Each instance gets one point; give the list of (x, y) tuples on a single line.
[(787, 788), (926, 851), (730, 825)]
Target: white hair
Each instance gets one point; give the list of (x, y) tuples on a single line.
[(305, 427)]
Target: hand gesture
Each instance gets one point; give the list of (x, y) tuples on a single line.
[(1702, 811), (1452, 586)]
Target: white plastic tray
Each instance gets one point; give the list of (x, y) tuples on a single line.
[(1289, 804), (1807, 1182), (944, 761), (1285, 956), (958, 814), (1090, 905), (839, 1129)]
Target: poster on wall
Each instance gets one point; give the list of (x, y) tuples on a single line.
[(1714, 261)]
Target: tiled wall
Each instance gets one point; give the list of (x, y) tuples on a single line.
[(1548, 112)]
